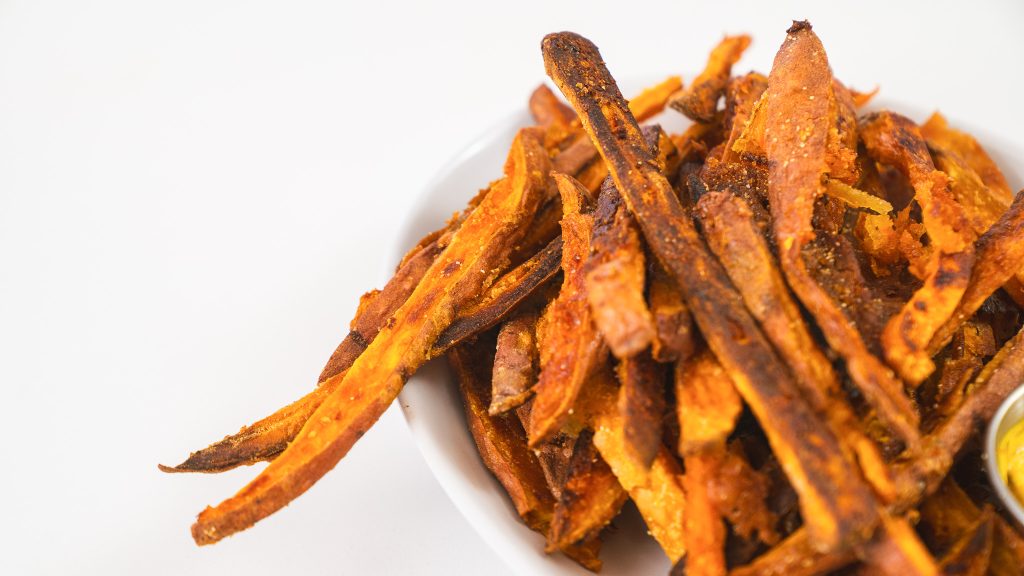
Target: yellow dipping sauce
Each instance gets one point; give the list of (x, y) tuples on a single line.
[(1010, 457)]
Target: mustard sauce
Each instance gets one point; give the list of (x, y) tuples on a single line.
[(1010, 459)]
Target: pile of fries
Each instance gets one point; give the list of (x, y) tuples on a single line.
[(777, 333)]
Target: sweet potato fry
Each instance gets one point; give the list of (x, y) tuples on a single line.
[(652, 100), (614, 277), (642, 406), (939, 133), (699, 100), (972, 553), (742, 95), (950, 513), (515, 363), (897, 551), (704, 529), (733, 236), (570, 348), (589, 500), (1000, 254), (674, 333), (547, 109), (740, 494), (857, 198), (265, 439), (895, 140), (835, 502), (707, 404), (477, 253), (501, 440), (502, 297), (797, 124), (656, 490)]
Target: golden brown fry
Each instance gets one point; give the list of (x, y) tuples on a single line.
[(547, 109), (478, 252), (797, 125), (515, 363), (940, 134), (971, 555), (614, 276), (652, 100), (674, 333), (699, 101), (895, 140), (740, 494), (1000, 254), (656, 490), (265, 439), (707, 404), (704, 529), (589, 500), (742, 96), (897, 551), (501, 440), (949, 513), (835, 503), (857, 198), (570, 348), (502, 297), (733, 236), (642, 406)]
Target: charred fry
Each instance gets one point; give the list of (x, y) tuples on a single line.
[(515, 364), (836, 504)]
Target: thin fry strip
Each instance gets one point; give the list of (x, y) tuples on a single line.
[(502, 297), (707, 404), (857, 198), (590, 499), (501, 441), (972, 554), (1000, 255), (614, 275), (897, 551), (652, 100), (515, 363), (570, 346), (733, 236), (797, 122), (895, 140), (656, 489), (938, 130), (266, 438), (477, 253), (741, 97), (704, 530), (699, 100), (547, 109), (835, 503), (674, 334), (641, 404)]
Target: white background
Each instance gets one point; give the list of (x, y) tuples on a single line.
[(193, 194)]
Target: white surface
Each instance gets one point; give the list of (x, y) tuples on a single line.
[(194, 194)]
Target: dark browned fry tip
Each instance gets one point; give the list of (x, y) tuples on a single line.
[(799, 25)]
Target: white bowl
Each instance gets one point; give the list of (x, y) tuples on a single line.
[(433, 408)]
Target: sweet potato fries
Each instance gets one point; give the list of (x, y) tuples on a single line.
[(776, 333)]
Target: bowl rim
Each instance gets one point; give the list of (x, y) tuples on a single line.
[(992, 438)]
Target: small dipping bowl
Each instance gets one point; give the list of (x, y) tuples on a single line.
[(1010, 413)]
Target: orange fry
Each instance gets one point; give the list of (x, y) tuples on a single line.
[(707, 404), (614, 276), (642, 406), (515, 363), (797, 124), (570, 348), (699, 100), (476, 255), (895, 140)]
